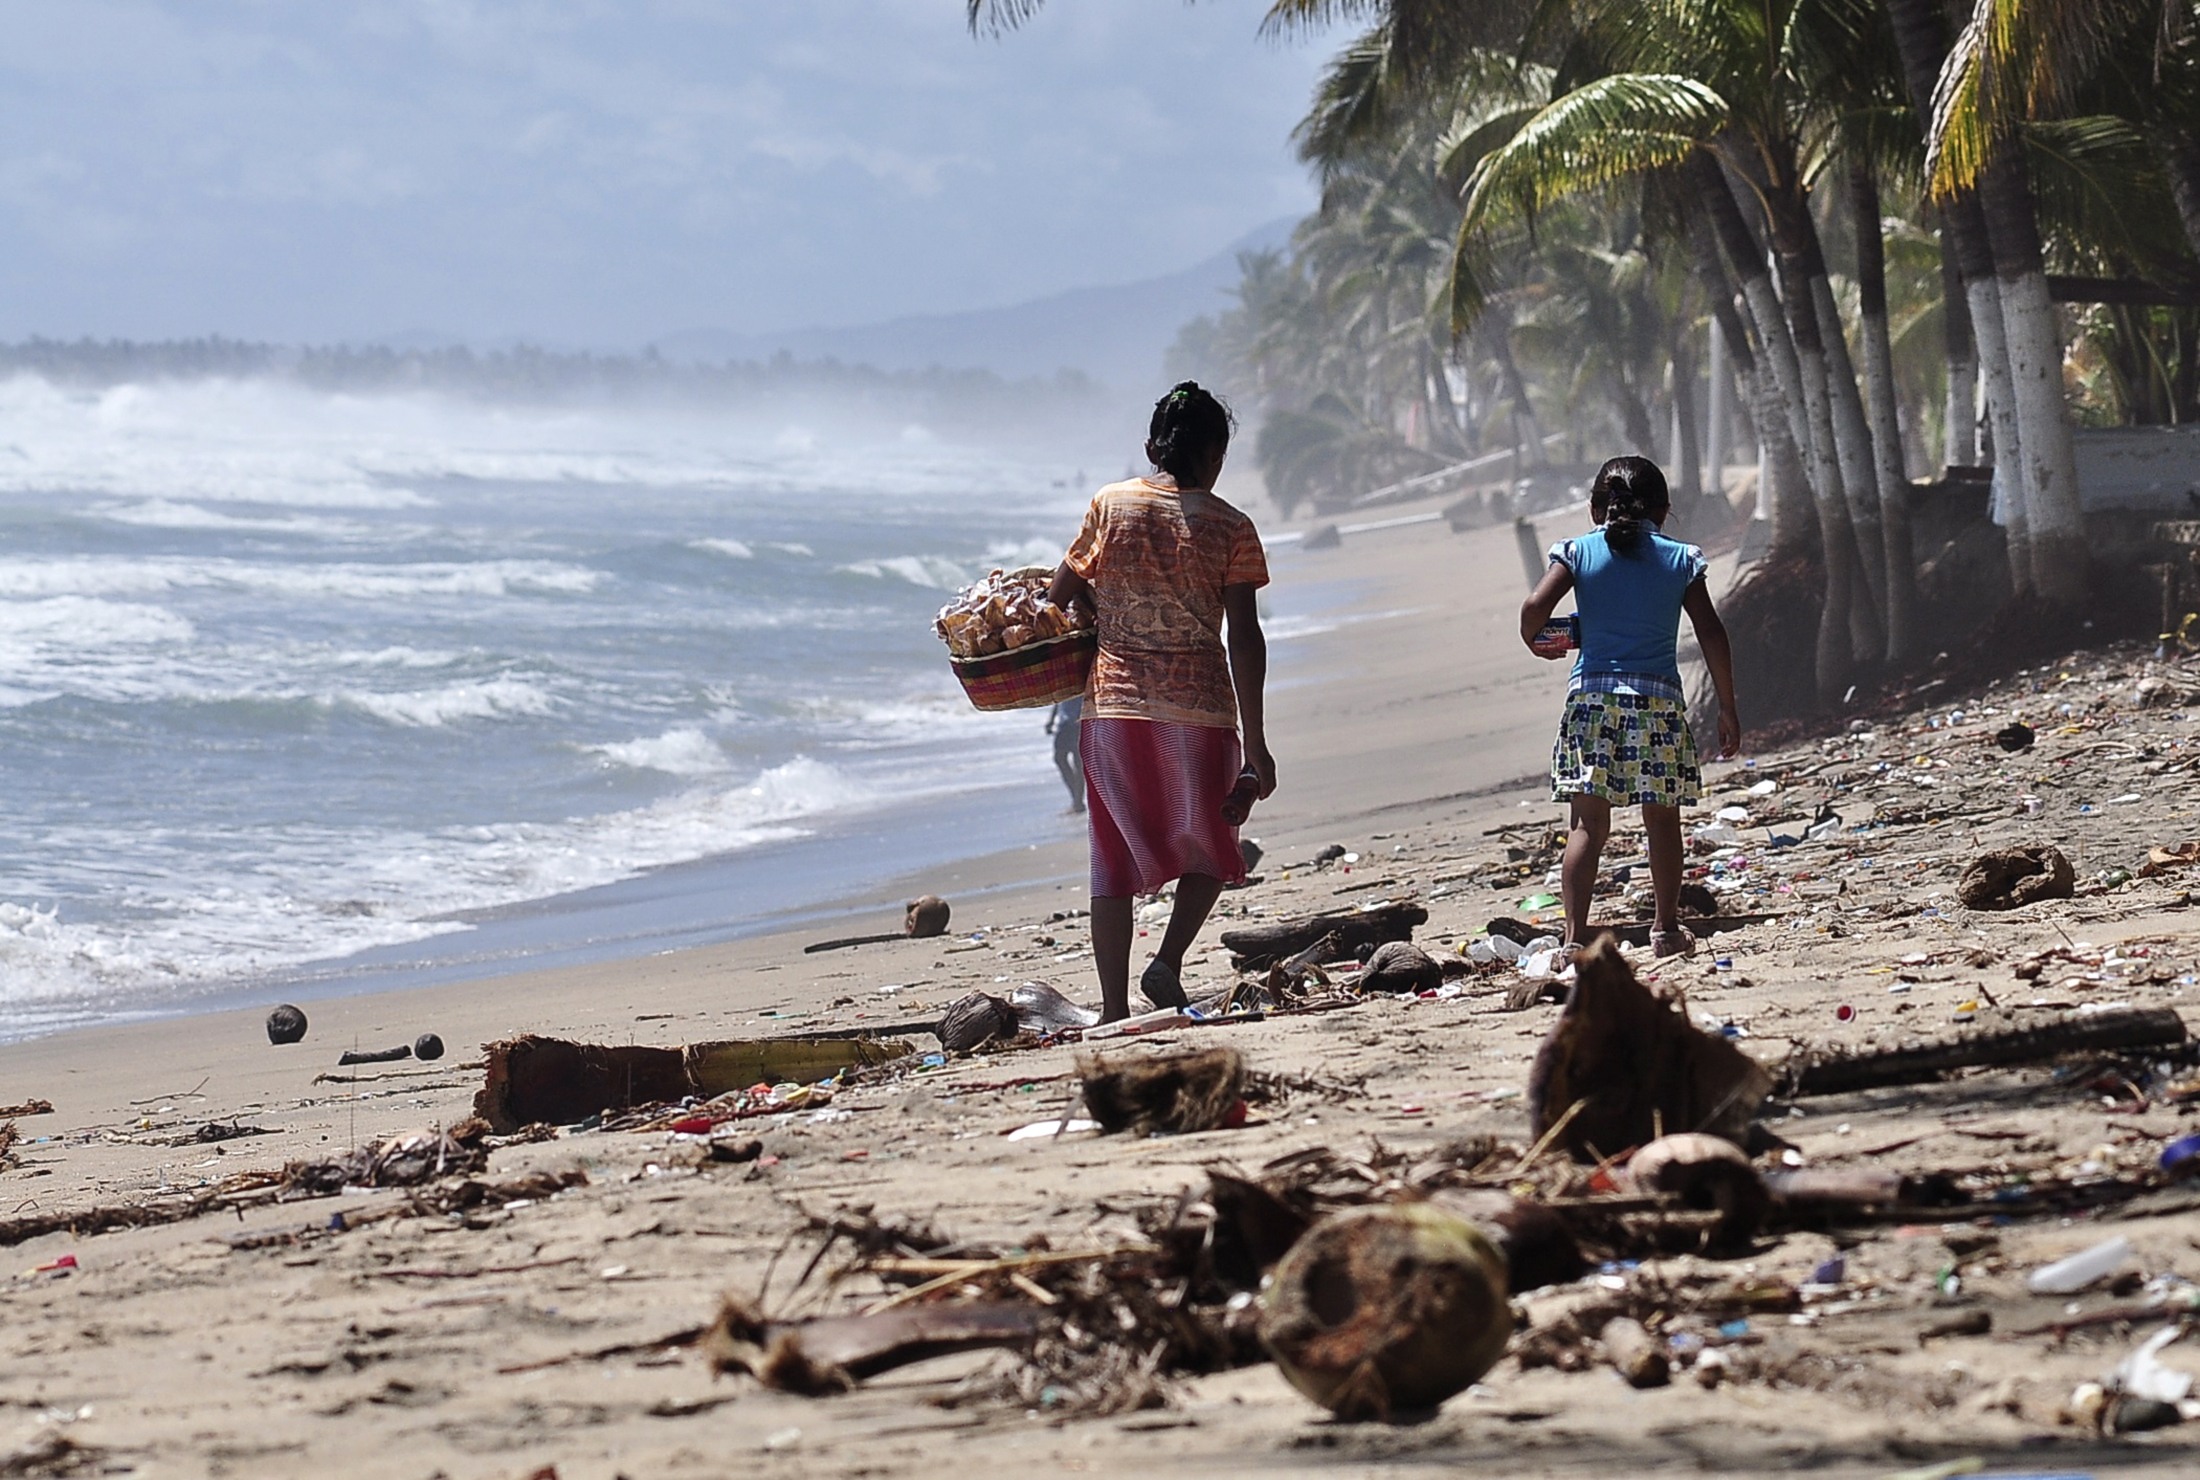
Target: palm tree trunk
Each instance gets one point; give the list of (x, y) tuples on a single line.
[(1690, 449), (1877, 346), (1745, 258), (1859, 477), (1836, 538), (1784, 493), (2060, 564), (1516, 386), (2181, 162), (1921, 42), (1983, 296), (1959, 432)]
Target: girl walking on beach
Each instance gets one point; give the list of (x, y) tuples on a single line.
[(1168, 566), (1624, 740)]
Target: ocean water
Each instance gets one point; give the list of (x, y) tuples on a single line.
[(290, 680)]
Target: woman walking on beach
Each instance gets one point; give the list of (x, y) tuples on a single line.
[(1624, 740), (1168, 565)]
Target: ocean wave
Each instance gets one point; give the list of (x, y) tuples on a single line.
[(686, 751), (936, 572), (37, 630), (732, 549), (160, 513), (319, 893), (493, 698), (949, 573), (110, 575)]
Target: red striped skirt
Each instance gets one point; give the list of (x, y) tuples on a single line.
[(1154, 793)]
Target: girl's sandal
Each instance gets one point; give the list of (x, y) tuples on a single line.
[(1674, 942)]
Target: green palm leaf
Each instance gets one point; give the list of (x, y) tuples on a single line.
[(1606, 131)]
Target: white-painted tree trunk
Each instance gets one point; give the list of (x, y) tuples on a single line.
[(1715, 431), (1984, 296), (1852, 442), (1877, 348), (2058, 549), (1960, 413)]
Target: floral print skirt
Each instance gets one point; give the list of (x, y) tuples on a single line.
[(1629, 749)]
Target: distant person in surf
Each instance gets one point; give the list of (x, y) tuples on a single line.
[(1062, 724), (1169, 566), (1624, 740)]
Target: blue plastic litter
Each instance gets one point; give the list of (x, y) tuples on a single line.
[(1830, 1272), (2182, 1155), (1731, 1329)]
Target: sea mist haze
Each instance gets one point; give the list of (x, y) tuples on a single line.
[(287, 676)]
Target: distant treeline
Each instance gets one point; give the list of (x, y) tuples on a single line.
[(530, 375)]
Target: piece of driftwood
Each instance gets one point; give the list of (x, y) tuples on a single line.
[(352, 1056), (1254, 946), (28, 1107), (2097, 1032), (557, 1082), (1634, 1353), (1637, 932), (1635, 1067), (834, 1353)]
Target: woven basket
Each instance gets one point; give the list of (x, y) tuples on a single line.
[(1030, 677)]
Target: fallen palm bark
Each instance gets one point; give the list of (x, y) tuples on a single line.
[(1623, 1066), (2119, 1029), (833, 1353)]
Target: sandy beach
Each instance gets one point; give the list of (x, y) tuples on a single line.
[(379, 1333)]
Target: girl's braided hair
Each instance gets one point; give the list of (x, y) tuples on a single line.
[(1628, 493), (1189, 426)]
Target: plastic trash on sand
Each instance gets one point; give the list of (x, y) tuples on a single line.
[(2143, 1374), (2068, 1276), (1039, 1129)]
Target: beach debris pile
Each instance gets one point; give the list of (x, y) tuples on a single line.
[(1007, 610)]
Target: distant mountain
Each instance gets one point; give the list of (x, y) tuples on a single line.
[(1117, 335)]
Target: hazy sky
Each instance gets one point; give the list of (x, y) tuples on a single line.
[(603, 171)]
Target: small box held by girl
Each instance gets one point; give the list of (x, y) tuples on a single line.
[(1624, 739)]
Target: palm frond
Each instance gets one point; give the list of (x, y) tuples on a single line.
[(1606, 131), (998, 17)]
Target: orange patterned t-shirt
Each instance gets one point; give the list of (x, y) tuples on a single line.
[(1157, 558)]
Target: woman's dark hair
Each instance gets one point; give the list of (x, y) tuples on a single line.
[(1189, 426), (1628, 492)]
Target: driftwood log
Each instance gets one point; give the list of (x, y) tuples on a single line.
[(2124, 1028), (1255, 946)]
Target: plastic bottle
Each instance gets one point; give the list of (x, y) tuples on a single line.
[(2068, 1276), (1238, 805)]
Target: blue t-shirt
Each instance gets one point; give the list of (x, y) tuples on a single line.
[(1629, 606)]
